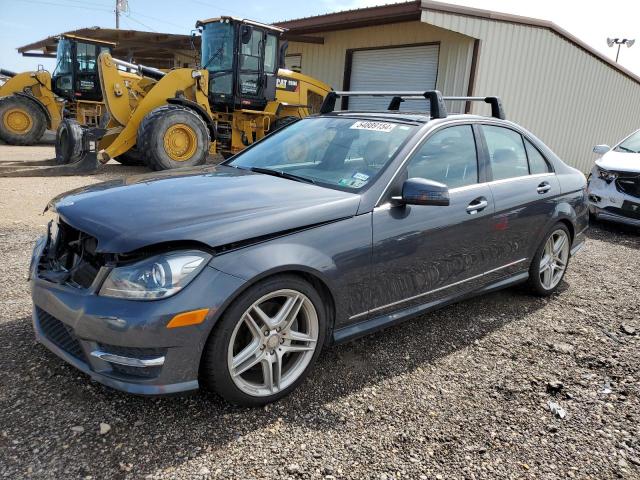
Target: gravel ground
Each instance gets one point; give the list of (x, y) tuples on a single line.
[(460, 393)]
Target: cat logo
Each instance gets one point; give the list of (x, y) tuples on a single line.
[(287, 84)]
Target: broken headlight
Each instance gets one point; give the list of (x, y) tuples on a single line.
[(606, 175), (156, 277)]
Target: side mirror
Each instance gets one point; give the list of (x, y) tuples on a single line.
[(420, 191), (601, 149), (246, 33)]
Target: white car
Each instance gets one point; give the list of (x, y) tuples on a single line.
[(614, 183)]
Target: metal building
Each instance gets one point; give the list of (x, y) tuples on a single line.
[(555, 85)]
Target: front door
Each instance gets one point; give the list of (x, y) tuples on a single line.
[(425, 253)]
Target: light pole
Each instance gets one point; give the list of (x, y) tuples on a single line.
[(620, 41)]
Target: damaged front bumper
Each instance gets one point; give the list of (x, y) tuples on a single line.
[(608, 203), (125, 344)]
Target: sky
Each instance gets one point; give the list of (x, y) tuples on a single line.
[(25, 21)]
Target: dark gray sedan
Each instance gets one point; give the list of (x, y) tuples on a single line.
[(235, 276)]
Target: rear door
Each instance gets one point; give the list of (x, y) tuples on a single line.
[(523, 187), (424, 253)]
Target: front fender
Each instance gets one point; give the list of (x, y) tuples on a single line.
[(337, 254)]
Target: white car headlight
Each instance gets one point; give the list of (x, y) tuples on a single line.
[(156, 277)]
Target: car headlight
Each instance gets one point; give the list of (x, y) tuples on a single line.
[(156, 277), (606, 175)]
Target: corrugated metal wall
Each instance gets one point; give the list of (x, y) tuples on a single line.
[(567, 97), (327, 62)]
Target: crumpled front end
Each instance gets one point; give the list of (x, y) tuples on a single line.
[(614, 195), (123, 343)]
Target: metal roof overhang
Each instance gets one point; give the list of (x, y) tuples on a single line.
[(150, 48)]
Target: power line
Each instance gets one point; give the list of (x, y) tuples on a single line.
[(182, 27), (129, 17)]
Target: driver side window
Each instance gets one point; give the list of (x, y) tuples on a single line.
[(448, 156)]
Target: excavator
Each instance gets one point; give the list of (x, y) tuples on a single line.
[(31, 102), (177, 118)]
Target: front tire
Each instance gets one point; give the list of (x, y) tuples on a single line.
[(173, 136), (550, 262), (21, 121), (266, 342)]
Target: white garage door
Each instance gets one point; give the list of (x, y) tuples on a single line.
[(401, 68)]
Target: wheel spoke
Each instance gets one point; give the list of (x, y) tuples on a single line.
[(247, 358), (255, 330), (267, 373), (289, 312), (296, 348), (299, 336), (264, 318), (559, 244), (547, 276)]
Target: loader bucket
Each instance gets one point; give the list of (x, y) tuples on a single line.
[(86, 164)]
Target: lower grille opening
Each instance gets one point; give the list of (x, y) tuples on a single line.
[(139, 372), (59, 334)]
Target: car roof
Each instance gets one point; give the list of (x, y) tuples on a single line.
[(399, 116)]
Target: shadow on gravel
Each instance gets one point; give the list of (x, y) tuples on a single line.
[(41, 397), (615, 233)]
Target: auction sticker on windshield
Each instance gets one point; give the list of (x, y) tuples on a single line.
[(375, 126)]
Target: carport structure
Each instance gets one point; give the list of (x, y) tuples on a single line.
[(154, 49), (551, 82)]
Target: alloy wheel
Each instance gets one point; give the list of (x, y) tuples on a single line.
[(273, 343), (554, 259)]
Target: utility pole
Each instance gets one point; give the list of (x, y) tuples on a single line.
[(121, 6)]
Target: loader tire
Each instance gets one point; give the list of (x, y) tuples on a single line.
[(68, 142), (130, 158), (173, 136), (21, 121)]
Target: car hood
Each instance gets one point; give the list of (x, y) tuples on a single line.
[(620, 162), (214, 205)]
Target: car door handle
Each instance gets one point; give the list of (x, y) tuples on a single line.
[(544, 187), (477, 205)]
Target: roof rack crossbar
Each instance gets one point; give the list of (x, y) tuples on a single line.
[(496, 105), (437, 108)]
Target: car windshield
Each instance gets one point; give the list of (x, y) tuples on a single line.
[(217, 46), (630, 144), (341, 153), (63, 58)]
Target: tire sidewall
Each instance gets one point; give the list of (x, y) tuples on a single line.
[(216, 375), (155, 155), (534, 271), (68, 142), (38, 119)]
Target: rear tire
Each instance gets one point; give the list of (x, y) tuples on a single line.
[(68, 142), (293, 341), (173, 136), (549, 264), (22, 122)]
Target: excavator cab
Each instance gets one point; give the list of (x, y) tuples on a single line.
[(242, 58), (76, 74)]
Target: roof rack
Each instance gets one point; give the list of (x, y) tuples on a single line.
[(496, 105), (436, 103)]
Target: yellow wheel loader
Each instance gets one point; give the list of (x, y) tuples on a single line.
[(31, 102), (175, 119)]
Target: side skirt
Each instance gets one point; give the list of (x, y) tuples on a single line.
[(351, 332)]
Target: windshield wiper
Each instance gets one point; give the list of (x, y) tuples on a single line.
[(626, 149), (282, 174)]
